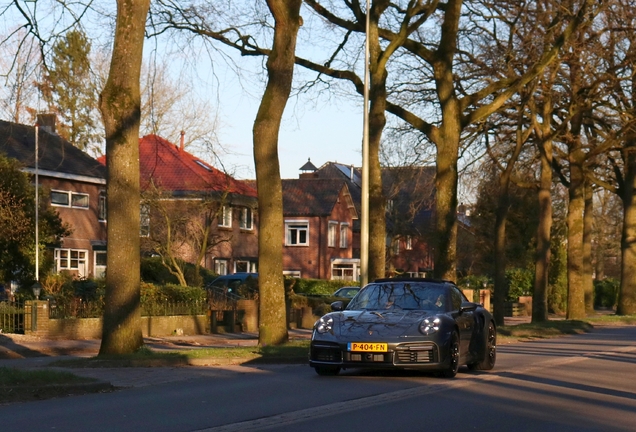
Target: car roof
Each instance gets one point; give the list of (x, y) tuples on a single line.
[(410, 279)]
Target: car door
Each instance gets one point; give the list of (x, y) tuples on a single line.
[(465, 320)]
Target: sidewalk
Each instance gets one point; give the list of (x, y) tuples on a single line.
[(28, 352)]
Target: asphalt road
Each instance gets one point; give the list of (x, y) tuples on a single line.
[(577, 383)]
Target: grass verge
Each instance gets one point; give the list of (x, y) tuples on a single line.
[(543, 330), (291, 352), (26, 385)]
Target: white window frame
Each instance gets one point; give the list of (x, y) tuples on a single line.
[(144, 220), (99, 271), (332, 229), (71, 259), (296, 226), (225, 217), (408, 243), (292, 273), (340, 265), (395, 246), (221, 266), (250, 266), (101, 207), (344, 235), (246, 221), (71, 199)]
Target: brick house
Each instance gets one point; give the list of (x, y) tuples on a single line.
[(318, 221), (203, 196), (410, 193), (73, 183)]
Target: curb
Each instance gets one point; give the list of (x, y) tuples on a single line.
[(21, 393)]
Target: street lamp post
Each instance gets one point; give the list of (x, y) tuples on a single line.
[(364, 223), (37, 205)]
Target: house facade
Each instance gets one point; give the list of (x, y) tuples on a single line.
[(70, 181), (410, 193), (319, 215), (211, 217)]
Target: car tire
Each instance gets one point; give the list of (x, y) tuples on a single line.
[(490, 350), (453, 353), (327, 370)]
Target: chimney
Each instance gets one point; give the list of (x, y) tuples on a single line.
[(46, 122), (182, 141), (351, 175)]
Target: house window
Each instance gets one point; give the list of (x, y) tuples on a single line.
[(71, 259), (69, 199), (345, 269), (395, 246), (291, 273), (241, 266), (101, 207), (389, 206), (246, 219), (100, 264), (144, 220), (408, 243), (344, 235), (331, 234), (225, 217), (297, 233), (220, 267)]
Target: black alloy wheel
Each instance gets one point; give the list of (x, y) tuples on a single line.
[(490, 350), (453, 352)]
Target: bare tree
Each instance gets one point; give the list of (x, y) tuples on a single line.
[(280, 68), (120, 103)]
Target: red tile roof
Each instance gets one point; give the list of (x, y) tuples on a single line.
[(175, 170)]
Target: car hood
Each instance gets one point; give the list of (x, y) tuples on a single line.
[(370, 325)]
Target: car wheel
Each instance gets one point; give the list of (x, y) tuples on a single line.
[(490, 354), (327, 370), (453, 352)]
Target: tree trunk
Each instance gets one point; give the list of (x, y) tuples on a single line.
[(542, 257), (627, 294), (377, 121), (120, 104), (544, 196), (588, 222), (501, 291), (280, 69), (447, 148), (576, 207)]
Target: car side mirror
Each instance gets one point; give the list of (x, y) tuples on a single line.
[(467, 307), (337, 306)]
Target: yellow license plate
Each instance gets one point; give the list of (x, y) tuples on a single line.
[(367, 347)]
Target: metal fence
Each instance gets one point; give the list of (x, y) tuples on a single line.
[(84, 309), (13, 316)]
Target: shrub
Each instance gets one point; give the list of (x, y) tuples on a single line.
[(316, 286), (606, 292), (520, 283)]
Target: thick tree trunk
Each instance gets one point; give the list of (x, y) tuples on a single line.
[(542, 257), (120, 106), (280, 69), (377, 121), (447, 148), (544, 197), (501, 291), (576, 208), (588, 222), (627, 294)]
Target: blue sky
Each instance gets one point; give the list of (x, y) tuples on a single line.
[(328, 132)]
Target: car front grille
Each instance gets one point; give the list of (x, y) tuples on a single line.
[(416, 353), (325, 352), (367, 357)]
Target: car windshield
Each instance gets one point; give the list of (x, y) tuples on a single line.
[(401, 296)]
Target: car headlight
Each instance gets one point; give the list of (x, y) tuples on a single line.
[(324, 324), (430, 325)]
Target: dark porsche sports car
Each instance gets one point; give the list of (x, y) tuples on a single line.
[(408, 324)]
